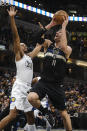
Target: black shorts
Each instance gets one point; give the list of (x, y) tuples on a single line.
[(54, 91)]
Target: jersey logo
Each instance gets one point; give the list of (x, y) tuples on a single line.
[(55, 51), (28, 64), (12, 99)]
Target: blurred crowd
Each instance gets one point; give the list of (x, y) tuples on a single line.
[(6, 82), (76, 97), (79, 46)]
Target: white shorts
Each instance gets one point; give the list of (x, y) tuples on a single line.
[(19, 97)]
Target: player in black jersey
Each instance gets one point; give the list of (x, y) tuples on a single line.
[(54, 68), (21, 86)]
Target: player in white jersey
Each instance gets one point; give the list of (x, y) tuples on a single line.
[(23, 81), (24, 76)]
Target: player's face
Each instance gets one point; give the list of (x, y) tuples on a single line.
[(24, 47), (58, 36)]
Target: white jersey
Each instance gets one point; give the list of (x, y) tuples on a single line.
[(22, 85), (24, 70)]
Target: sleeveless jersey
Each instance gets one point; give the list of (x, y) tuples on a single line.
[(54, 65), (24, 70)]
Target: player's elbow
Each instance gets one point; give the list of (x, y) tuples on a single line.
[(68, 51)]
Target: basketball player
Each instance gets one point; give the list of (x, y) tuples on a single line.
[(54, 68), (24, 76)]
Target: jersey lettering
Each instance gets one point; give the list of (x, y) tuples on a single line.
[(28, 64), (54, 60)]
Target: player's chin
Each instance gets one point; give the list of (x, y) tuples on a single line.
[(56, 40), (25, 49)]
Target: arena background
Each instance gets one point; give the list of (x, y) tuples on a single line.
[(27, 20)]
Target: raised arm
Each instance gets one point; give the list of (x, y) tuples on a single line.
[(38, 35), (51, 24), (17, 48), (35, 51), (63, 41), (67, 49), (64, 35)]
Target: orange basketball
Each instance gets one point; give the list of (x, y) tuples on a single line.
[(59, 16)]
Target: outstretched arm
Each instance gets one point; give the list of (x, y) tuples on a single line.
[(38, 47), (17, 49), (35, 51), (38, 35)]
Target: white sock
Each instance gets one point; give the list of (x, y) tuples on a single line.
[(32, 127)]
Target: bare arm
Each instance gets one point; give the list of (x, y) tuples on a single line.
[(63, 36), (41, 26), (46, 44), (69, 51), (17, 49), (35, 51), (63, 41), (38, 48), (51, 24), (63, 45), (41, 32)]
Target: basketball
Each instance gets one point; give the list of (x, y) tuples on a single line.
[(59, 16)]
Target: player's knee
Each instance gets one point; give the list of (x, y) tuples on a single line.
[(32, 97)]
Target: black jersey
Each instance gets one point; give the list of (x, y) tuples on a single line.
[(54, 65)]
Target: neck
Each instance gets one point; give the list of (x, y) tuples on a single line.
[(57, 45), (26, 52)]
